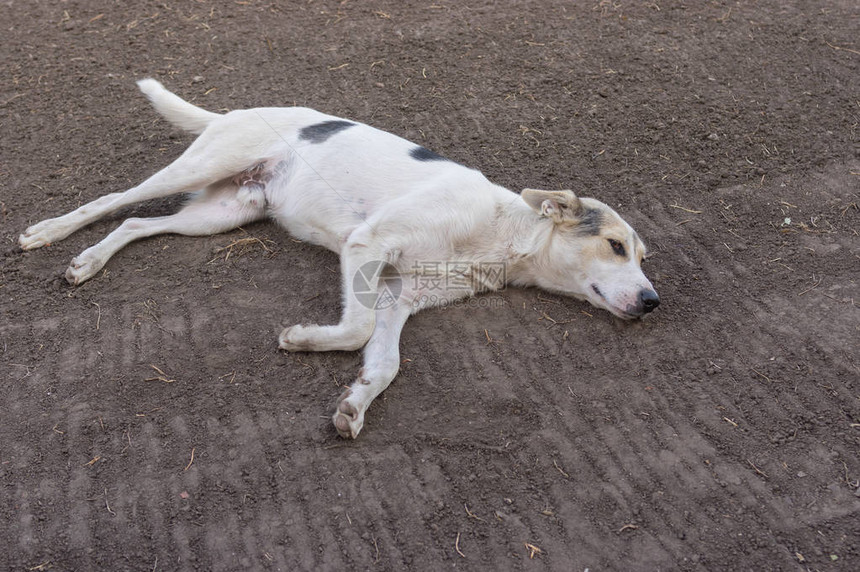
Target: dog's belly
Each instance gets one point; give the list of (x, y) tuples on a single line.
[(319, 214), (322, 198), (314, 234)]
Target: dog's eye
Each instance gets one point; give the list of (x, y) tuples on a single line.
[(617, 247)]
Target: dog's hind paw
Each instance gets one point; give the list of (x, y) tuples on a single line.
[(82, 269), (347, 418)]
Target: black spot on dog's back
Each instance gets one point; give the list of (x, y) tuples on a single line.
[(320, 132), (424, 154)]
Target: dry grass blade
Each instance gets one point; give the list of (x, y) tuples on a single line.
[(457, 546), (241, 246), (188, 466), (161, 375), (685, 209)]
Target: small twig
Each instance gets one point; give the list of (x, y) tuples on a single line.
[(545, 316), (813, 287), (628, 527), (761, 374), (108, 505), (727, 420), (685, 209), (376, 546), (238, 243), (533, 550), (457, 546), (757, 470), (554, 462), (470, 513), (841, 49), (99, 317), (161, 375), (489, 339), (188, 466)]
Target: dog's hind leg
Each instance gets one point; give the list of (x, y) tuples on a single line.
[(381, 364), (209, 159), (212, 212), (362, 260)]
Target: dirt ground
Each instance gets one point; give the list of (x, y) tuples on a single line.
[(721, 433)]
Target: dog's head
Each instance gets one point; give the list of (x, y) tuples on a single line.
[(591, 253)]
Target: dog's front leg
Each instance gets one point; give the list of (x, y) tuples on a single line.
[(381, 364), (362, 260)]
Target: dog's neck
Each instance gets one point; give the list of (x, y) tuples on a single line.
[(528, 234), (515, 237)]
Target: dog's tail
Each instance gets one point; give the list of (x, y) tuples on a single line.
[(175, 109)]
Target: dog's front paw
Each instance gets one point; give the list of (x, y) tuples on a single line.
[(297, 338), (348, 419), (41, 234), (313, 338), (82, 269)]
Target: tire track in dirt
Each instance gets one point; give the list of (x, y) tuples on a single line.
[(621, 480), (154, 435), (403, 497), (307, 538), (83, 450), (511, 379)]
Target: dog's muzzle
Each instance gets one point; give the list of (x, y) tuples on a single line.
[(648, 300)]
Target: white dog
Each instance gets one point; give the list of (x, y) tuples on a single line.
[(390, 208)]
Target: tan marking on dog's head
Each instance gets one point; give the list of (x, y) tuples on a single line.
[(592, 253)]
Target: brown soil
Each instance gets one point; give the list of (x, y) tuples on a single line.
[(719, 434)]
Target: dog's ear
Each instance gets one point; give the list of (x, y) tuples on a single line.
[(558, 205)]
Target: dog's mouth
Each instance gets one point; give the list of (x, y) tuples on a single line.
[(624, 314)]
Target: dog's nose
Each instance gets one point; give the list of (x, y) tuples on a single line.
[(649, 300)]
